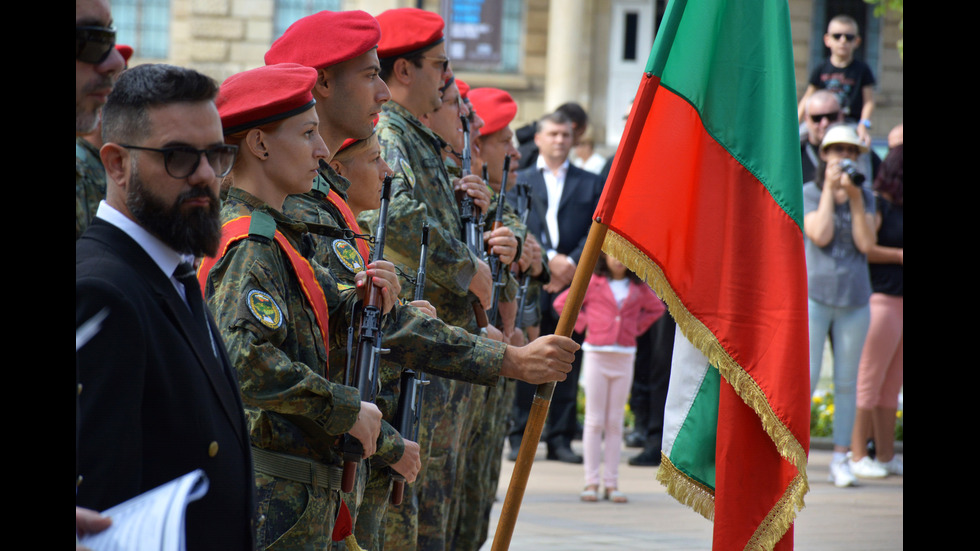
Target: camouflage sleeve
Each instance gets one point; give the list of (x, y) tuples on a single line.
[(391, 446), (249, 277), (420, 342)]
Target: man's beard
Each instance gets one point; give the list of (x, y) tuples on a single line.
[(195, 232)]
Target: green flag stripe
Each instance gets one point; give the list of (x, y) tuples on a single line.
[(693, 452), (709, 77)]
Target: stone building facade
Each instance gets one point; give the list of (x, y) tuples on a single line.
[(589, 51)]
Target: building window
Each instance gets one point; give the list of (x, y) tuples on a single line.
[(484, 35), (289, 11), (144, 25)]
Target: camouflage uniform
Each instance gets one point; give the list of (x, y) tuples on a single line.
[(476, 484), (422, 192), (478, 365), (291, 404), (89, 184)]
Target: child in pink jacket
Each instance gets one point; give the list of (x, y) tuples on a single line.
[(617, 308)]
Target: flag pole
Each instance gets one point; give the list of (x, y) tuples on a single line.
[(573, 303), (544, 392)]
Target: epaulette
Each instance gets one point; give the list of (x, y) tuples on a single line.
[(262, 225), (320, 185)]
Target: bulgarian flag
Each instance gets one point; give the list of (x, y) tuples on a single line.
[(704, 201)]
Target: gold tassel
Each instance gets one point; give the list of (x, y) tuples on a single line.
[(351, 543), (782, 515), (685, 489)]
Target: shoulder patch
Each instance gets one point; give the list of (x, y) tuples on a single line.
[(347, 255), (407, 172), (264, 309)]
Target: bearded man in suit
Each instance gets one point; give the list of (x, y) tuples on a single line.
[(157, 397)]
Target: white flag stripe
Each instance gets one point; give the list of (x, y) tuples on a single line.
[(687, 371)]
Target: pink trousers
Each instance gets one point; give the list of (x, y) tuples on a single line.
[(882, 368), (607, 377)]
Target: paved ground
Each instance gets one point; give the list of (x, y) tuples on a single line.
[(864, 518)]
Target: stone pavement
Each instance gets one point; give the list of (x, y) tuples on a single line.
[(864, 518)]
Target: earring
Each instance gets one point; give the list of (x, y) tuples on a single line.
[(266, 154)]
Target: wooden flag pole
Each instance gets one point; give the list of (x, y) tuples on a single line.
[(576, 294), (542, 396)]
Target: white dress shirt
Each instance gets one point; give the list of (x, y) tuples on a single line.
[(555, 184)]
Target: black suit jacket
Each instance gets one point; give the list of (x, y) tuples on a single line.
[(579, 199), (154, 402)]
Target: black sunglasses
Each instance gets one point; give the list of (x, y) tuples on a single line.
[(831, 117), (94, 44), (850, 37), (444, 60), (181, 161)]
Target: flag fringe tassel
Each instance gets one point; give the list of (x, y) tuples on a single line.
[(685, 489), (781, 517)]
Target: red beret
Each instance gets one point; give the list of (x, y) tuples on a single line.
[(464, 89), (496, 107), (325, 38), (407, 30), (125, 51), (263, 95)]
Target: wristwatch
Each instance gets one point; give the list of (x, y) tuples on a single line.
[(866, 123)]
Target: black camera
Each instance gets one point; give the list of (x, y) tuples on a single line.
[(851, 170)]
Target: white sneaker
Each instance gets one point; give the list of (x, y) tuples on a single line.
[(840, 473), (867, 468), (894, 466)]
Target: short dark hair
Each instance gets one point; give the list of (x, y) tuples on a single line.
[(558, 117), (125, 118), (388, 63), (575, 112)]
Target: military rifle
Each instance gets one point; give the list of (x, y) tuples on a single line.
[(410, 401), (524, 209), (368, 359), (496, 269)]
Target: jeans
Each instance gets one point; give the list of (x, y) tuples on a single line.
[(848, 328)]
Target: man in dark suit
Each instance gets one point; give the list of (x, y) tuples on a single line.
[(157, 397), (565, 198)]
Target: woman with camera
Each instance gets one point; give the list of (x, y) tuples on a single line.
[(838, 223)]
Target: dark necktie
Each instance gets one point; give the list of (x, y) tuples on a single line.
[(187, 276)]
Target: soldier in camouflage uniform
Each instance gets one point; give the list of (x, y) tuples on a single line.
[(349, 96), (492, 146), (415, 66), (280, 315)]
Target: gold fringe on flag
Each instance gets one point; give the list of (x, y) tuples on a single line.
[(781, 516), (685, 489)]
